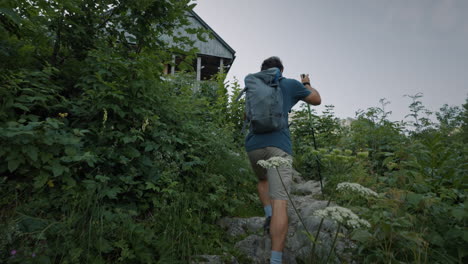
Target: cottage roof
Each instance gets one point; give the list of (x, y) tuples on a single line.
[(217, 37)]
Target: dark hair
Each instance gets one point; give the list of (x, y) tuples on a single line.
[(272, 62)]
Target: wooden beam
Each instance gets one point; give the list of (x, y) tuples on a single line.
[(221, 65), (173, 65), (199, 67)]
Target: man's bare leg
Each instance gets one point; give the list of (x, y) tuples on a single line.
[(279, 224), (263, 194)]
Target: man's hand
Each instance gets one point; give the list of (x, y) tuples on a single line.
[(313, 98), (305, 78)]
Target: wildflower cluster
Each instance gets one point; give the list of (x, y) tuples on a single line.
[(144, 125), (342, 215), (275, 162), (357, 188), (104, 117)]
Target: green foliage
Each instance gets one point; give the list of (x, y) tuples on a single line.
[(421, 213), (310, 130), (110, 159), (419, 113), (464, 123), (236, 108), (374, 133), (102, 159)]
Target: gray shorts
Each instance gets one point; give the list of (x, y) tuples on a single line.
[(275, 187)]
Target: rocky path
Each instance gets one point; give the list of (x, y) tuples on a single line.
[(256, 245)]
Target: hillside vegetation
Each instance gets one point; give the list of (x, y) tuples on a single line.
[(419, 169), (105, 160), (102, 159)]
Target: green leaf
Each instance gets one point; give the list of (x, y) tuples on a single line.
[(151, 186), (21, 106), (13, 164), (10, 13), (102, 178), (129, 139), (465, 235), (90, 184), (41, 180), (53, 123), (46, 156), (462, 252), (33, 224), (414, 198), (70, 151), (69, 181), (132, 152), (58, 169), (103, 245), (111, 192), (460, 213), (361, 235), (32, 152), (436, 239), (413, 237)]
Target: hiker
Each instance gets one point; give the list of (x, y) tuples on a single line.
[(262, 146)]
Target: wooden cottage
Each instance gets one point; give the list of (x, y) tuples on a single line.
[(214, 56)]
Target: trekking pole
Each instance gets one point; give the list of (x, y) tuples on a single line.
[(315, 146), (321, 184), (293, 205)]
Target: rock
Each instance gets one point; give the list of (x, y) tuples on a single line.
[(258, 249), (257, 246), (309, 206), (254, 224), (310, 187), (240, 226), (296, 177), (214, 259)]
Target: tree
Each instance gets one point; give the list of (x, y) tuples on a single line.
[(101, 159)]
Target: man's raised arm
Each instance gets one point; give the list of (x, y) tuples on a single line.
[(313, 98)]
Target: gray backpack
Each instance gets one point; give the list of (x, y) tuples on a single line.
[(264, 101)]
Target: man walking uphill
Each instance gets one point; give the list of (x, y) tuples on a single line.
[(262, 146)]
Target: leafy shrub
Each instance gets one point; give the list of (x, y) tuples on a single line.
[(310, 131), (103, 160), (420, 215)]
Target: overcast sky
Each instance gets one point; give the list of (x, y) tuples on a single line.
[(356, 52)]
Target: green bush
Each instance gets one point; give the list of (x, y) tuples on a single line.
[(103, 160), (419, 170)]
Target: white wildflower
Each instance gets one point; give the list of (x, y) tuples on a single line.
[(357, 188), (275, 162), (343, 216), (104, 117), (145, 124)]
